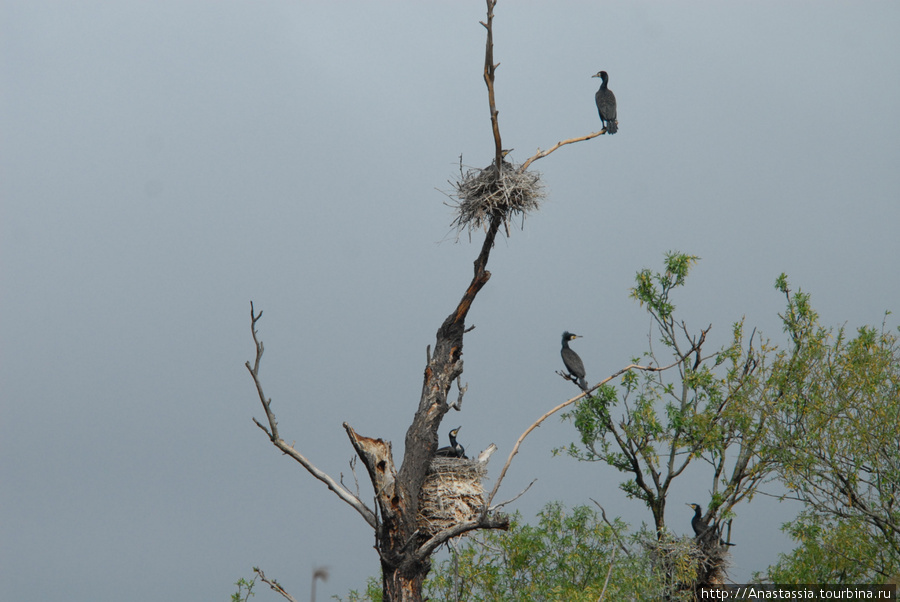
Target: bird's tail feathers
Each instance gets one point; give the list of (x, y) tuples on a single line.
[(612, 127)]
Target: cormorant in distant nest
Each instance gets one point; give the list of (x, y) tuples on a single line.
[(701, 528), (455, 449)]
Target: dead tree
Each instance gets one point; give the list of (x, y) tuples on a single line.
[(487, 199)]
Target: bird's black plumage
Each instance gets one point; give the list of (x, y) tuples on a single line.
[(702, 531), (606, 104), (572, 362), (455, 449), (697, 523)]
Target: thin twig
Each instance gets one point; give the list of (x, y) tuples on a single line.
[(510, 501), (289, 450), (612, 563), (541, 154), (273, 584), (565, 404), (457, 405), (615, 532)]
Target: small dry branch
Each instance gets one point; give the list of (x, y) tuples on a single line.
[(274, 585), (565, 404), (541, 154), (272, 432)]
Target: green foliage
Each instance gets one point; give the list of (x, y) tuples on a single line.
[(373, 592), (653, 289), (820, 414), (830, 551), (656, 422), (834, 435), (573, 556), (245, 590)]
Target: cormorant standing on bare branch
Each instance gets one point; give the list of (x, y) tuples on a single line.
[(571, 360), (606, 104), (455, 449)]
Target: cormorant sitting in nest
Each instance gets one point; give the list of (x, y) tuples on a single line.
[(454, 450), (697, 522), (606, 104), (573, 363), (701, 528)]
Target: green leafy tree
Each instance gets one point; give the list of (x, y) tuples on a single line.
[(835, 434), (821, 415), (833, 551), (712, 409), (569, 555)]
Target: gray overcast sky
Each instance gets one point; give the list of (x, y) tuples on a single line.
[(163, 163)]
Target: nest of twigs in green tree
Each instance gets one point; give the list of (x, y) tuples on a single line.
[(507, 193), (452, 494), (692, 564)]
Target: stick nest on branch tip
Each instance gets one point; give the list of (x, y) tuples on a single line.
[(484, 193), (452, 494)]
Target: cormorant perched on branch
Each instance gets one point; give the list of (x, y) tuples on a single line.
[(573, 363), (701, 529), (606, 104), (454, 450)]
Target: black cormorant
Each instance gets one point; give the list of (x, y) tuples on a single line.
[(573, 363), (701, 529), (697, 522), (606, 104), (455, 449)]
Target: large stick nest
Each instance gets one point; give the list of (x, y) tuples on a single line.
[(507, 193), (706, 562), (452, 494)]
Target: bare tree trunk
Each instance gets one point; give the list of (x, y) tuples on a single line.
[(405, 550), (404, 586), (405, 555)]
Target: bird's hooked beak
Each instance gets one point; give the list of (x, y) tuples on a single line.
[(596, 75)]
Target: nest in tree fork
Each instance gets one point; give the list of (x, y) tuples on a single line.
[(708, 561), (452, 494), (507, 193)]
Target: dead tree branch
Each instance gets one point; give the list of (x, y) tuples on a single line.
[(565, 404), (289, 450), (489, 69), (273, 584), (615, 531), (514, 498), (541, 154), (483, 522)]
